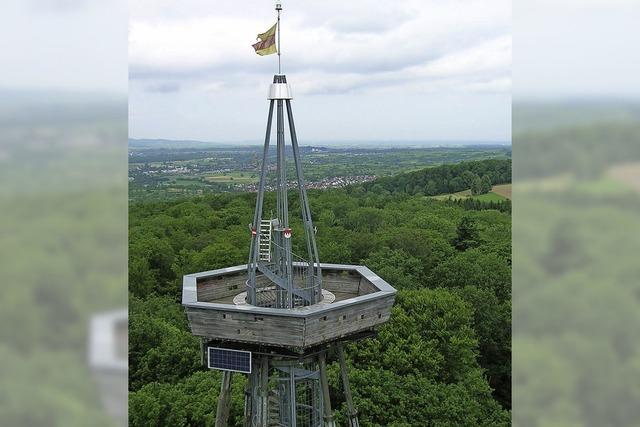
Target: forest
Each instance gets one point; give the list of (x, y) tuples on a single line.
[(478, 176), (444, 358)]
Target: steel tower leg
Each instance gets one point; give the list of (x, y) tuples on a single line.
[(290, 291), (247, 402), (283, 207), (353, 414), (224, 400), (253, 419), (312, 248), (264, 391), (292, 397), (324, 382), (255, 247)]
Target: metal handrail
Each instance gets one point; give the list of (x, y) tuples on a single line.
[(306, 283)]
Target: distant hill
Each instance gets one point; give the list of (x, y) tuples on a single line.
[(145, 143), (172, 143), (446, 179)]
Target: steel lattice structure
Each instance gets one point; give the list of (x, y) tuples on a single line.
[(284, 391), (293, 283)]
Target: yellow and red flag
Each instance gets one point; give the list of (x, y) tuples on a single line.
[(267, 43)]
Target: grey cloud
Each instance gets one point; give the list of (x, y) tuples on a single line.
[(356, 17), (365, 59), (228, 71), (163, 87), (376, 71), (374, 63), (378, 23), (348, 55)]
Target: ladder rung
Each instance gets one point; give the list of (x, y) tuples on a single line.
[(264, 241)]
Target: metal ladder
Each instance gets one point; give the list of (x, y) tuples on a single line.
[(265, 240), (273, 409)]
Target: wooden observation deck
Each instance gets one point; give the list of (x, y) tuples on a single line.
[(354, 300)]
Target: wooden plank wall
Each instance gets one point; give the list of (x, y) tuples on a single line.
[(341, 281), (247, 327), (347, 320), (286, 331), (289, 331), (214, 288), (366, 287)]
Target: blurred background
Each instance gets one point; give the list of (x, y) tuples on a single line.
[(63, 169), (576, 214), (63, 215)]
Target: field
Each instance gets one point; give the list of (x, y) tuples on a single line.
[(186, 182), (503, 190), (233, 178), (490, 197), (160, 172), (498, 193)]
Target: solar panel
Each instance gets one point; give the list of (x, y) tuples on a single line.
[(225, 359)]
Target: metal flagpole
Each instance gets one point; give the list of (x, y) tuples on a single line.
[(279, 8)]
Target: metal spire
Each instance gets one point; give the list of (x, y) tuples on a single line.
[(278, 277), (279, 8)]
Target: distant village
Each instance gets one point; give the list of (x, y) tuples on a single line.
[(178, 172), (334, 182)]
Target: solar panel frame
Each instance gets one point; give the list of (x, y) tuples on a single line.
[(230, 360)]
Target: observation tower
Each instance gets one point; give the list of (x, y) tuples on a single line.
[(276, 318)]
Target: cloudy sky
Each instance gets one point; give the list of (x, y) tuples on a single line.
[(360, 70), (417, 70)]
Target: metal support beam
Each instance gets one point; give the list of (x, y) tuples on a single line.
[(247, 403), (264, 391), (324, 381), (295, 285), (292, 397), (310, 238), (224, 400), (352, 413), (286, 261), (255, 239), (308, 279), (254, 390)]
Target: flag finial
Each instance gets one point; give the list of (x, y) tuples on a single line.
[(278, 9)]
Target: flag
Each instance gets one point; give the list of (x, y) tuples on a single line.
[(267, 43)]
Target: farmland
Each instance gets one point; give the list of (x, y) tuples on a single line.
[(173, 171), (498, 193)]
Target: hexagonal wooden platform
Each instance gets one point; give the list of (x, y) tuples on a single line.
[(362, 301)]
